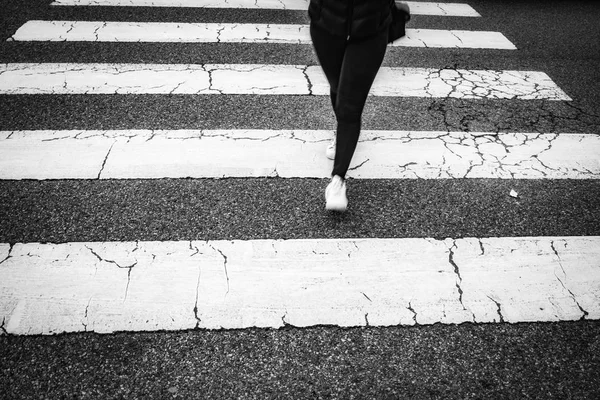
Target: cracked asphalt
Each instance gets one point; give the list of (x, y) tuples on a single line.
[(505, 361)]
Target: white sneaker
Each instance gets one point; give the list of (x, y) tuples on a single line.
[(330, 150), (335, 195)]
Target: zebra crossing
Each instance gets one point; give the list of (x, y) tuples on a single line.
[(417, 7), (116, 31), (138, 285), (233, 284), (268, 79), (149, 154)]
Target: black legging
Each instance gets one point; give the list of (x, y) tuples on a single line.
[(350, 67)]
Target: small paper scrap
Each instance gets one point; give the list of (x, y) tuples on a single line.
[(513, 193)]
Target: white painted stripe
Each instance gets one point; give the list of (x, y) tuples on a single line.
[(148, 154), (252, 4), (454, 38), (139, 286), (416, 7), (50, 78), (99, 31)]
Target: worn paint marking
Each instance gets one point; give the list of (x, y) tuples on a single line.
[(416, 7), (151, 154), (66, 78), (107, 31), (139, 286)]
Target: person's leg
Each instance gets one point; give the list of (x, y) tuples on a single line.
[(330, 51), (360, 65)]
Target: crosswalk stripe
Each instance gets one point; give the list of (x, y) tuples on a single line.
[(138, 286), (147, 154), (109, 31), (125, 286), (66, 78), (416, 7)]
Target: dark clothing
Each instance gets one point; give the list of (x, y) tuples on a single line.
[(350, 65), (351, 18)]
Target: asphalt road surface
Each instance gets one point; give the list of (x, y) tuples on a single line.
[(539, 360)]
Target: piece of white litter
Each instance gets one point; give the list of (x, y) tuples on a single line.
[(513, 193)]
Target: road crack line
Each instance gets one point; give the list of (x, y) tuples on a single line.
[(499, 310), (127, 267), (458, 275), (9, 255), (584, 312), (3, 331), (412, 310), (105, 159), (224, 265)]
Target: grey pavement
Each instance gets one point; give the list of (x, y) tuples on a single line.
[(469, 361), (497, 361)]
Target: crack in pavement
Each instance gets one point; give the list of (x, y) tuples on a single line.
[(96, 32), (71, 27), (412, 310), (361, 164), (127, 267), (543, 116), (481, 247), (57, 138), (3, 331), (105, 159), (210, 79), (584, 312), (274, 173), (458, 275), (499, 310), (85, 316), (232, 137), (224, 264), (8, 255), (453, 33), (456, 271), (172, 92), (308, 81), (195, 309), (286, 325), (481, 84), (219, 31)]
